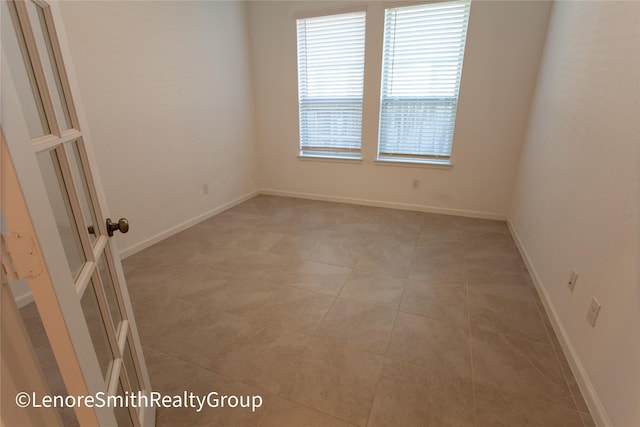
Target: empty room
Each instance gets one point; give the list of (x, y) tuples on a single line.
[(320, 213)]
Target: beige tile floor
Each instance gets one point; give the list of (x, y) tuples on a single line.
[(349, 315)]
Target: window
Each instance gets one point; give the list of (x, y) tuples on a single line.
[(421, 68), (330, 79)]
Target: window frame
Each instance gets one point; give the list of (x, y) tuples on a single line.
[(310, 152), (431, 160)]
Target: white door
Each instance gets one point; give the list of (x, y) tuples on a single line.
[(60, 240)]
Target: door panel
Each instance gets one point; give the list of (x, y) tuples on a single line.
[(110, 292), (61, 206), (14, 45), (97, 329), (44, 45), (79, 178), (80, 292)]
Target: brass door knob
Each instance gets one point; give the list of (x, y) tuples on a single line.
[(122, 225)]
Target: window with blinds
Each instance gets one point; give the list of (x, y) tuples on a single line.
[(421, 69), (330, 79)]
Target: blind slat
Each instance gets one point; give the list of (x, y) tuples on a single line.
[(421, 68), (330, 81)]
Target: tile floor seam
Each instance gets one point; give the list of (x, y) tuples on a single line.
[(161, 414), (546, 328), (359, 301), (328, 263), (307, 407), (404, 287), (190, 383), (298, 331), (347, 345), (558, 359), (343, 285), (536, 368), (308, 289), (368, 271), (473, 380), (294, 258), (435, 319), (205, 368), (315, 330), (395, 321), (279, 327), (504, 339), (279, 395), (518, 337), (413, 260), (386, 351), (367, 303), (305, 289), (395, 359), (536, 399), (299, 360), (311, 260), (240, 381)]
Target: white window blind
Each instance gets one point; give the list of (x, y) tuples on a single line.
[(421, 69), (330, 79)]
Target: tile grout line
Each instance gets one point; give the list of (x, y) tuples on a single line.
[(208, 370), (243, 383), (504, 337), (473, 380), (395, 320), (306, 332), (333, 303)]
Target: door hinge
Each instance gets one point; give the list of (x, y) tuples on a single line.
[(20, 257)]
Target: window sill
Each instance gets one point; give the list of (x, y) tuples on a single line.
[(329, 158), (414, 164)]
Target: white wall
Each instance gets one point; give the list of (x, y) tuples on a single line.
[(576, 201), (504, 44), (167, 95)]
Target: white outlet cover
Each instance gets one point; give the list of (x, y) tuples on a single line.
[(594, 310)]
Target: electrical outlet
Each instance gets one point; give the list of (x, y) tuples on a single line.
[(205, 188), (594, 310), (415, 184), (572, 280)]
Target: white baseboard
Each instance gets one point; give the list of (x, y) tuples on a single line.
[(24, 299), (591, 398), (21, 292), (383, 204), (124, 253)]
